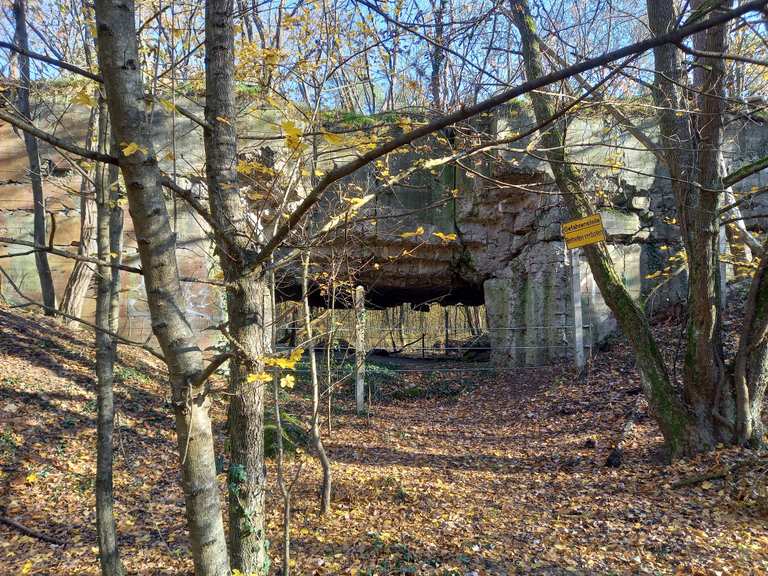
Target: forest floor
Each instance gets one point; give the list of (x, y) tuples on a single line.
[(489, 475)]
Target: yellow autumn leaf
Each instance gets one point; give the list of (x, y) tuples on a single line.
[(32, 477), (27, 568), (286, 363), (223, 120), (333, 139), (418, 232), (167, 104), (84, 98), (131, 148), (290, 129), (445, 237), (292, 135), (258, 378), (287, 381)]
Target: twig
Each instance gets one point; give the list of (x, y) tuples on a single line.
[(114, 335), (703, 477), (30, 532)]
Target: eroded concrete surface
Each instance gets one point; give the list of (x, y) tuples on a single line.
[(502, 208)]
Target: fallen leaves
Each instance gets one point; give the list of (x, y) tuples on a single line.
[(501, 474)]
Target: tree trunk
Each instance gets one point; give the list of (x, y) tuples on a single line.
[(248, 297), (437, 53), (662, 398), (116, 219), (120, 66), (82, 272), (740, 235), (109, 556), (282, 485), (692, 156), (33, 154), (317, 441), (401, 326), (751, 363)]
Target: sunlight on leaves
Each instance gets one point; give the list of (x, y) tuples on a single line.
[(446, 238), (129, 149), (288, 381), (418, 232), (258, 378)]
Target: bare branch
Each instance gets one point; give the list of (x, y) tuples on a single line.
[(53, 61), (80, 320), (466, 112)]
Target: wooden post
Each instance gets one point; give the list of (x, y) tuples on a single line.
[(447, 322), (724, 266), (578, 322), (594, 292), (360, 349)]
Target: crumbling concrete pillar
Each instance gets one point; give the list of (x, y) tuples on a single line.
[(529, 308)]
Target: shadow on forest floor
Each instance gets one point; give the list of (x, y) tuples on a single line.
[(506, 477)]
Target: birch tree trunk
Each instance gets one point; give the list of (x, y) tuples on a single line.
[(109, 556), (33, 154), (120, 66), (249, 306)]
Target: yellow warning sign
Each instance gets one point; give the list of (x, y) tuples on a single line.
[(583, 232)]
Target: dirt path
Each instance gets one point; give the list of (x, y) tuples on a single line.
[(498, 483)]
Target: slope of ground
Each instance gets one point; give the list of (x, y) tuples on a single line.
[(506, 477)]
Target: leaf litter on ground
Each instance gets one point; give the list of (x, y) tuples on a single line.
[(505, 474)]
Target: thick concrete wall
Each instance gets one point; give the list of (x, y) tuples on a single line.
[(503, 208)]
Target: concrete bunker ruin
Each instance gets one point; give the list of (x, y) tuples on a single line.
[(482, 230)]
